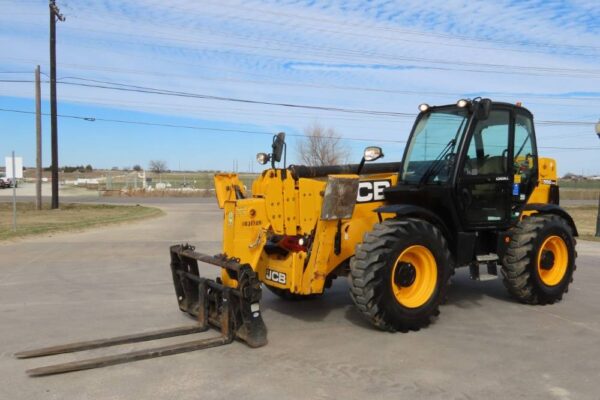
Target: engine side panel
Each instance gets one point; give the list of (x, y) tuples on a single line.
[(547, 177)]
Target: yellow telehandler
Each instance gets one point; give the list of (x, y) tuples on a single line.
[(471, 191)]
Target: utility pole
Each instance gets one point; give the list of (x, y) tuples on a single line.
[(54, 15), (14, 185), (38, 140)]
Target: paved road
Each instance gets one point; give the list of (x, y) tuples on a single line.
[(26, 192), (116, 280), (117, 200)]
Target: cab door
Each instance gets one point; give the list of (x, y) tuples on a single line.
[(484, 176)]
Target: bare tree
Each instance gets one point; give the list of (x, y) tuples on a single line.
[(321, 146), (157, 166)]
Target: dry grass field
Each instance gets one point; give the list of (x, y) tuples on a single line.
[(585, 219), (579, 194), (68, 217)]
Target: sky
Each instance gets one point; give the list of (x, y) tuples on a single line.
[(383, 57)]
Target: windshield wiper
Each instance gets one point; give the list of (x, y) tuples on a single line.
[(437, 162)]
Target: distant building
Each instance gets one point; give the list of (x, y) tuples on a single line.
[(573, 177)]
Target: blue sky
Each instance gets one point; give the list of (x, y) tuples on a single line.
[(374, 55)]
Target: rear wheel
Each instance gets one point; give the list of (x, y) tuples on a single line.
[(540, 259), (400, 273)]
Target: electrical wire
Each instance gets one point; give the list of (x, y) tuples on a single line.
[(149, 90), (508, 95), (223, 130), (194, 127)]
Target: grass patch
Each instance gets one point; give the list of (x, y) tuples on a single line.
[(68, 217), (579, 194), (585, 220)]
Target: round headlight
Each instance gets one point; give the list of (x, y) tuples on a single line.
[(423, 107), (262, 158), (462, 103)]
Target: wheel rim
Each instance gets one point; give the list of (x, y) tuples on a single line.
[(414, 276), (552, 260)]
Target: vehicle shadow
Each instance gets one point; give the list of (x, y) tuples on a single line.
[(312, 309), (463, 293)]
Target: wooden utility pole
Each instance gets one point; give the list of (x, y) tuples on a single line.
[(54, 15), (38, 140)]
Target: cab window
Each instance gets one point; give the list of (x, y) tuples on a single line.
[(524, 158), (488, 151)]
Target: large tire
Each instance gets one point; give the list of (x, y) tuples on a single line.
[(540, 259), (399, 274)]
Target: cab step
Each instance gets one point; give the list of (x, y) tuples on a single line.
[(490, 272)]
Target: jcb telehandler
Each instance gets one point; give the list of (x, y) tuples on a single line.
[(470, 191)]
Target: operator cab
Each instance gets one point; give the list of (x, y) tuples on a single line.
[(473, 163)]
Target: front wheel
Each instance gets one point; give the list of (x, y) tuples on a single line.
[(540, 259), (399, 274)]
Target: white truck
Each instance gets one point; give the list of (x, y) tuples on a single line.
[(5, 182)]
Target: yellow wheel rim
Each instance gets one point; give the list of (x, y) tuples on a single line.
[(414, 276), (552, 260)]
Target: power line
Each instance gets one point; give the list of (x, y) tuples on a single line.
[(377, 90), (223, 130), (193, 127), (520, 96), (329, 86), (150, 90), (219, 109)]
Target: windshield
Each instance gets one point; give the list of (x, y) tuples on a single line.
[(431, 151)]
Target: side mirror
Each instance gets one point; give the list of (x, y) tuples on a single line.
[(278, 149), (278, 145), (373, 153)]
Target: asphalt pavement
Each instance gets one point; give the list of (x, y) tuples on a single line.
[(116, 280)]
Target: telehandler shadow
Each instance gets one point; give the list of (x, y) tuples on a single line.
[(312, 309), (462, 292)]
